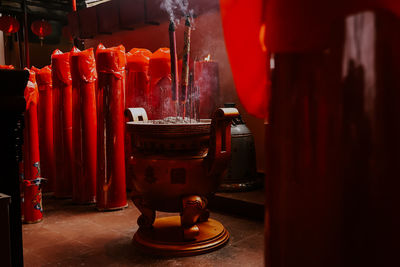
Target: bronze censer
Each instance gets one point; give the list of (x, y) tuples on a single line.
[(176, 167)]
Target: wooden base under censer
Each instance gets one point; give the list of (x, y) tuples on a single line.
[(165, 238)]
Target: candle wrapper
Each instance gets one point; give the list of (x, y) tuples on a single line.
[(84, 77), (111, 184), (32, 202), (62, 108), (45, 117)]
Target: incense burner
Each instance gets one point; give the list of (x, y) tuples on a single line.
[(176, 167)]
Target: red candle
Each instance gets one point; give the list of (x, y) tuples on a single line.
[(137, 77), (84, 77), (206, 83), (137, 88), (45, 117), (32, 205), (62, 103), (111, 186), (7, 67), (76, 128), (161, 102)]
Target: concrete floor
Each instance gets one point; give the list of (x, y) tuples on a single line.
[(72, 235)]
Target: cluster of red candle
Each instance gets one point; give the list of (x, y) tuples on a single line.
[(74, 134)]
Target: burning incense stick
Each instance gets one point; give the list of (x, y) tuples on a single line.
[(174, 60), (185, 66)]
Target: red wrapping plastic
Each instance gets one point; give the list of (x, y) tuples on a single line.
[(161, 104), (137, 81), (137, 89), (45, 115), (62, 103), (32, 204), (111, 188), (76, 128), (84, 76)]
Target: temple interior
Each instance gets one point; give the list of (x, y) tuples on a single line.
[(199, 133)]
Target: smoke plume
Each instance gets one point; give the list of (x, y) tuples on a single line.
[(174, 6)]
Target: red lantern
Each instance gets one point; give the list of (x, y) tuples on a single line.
[(41, 28), (9, 24)]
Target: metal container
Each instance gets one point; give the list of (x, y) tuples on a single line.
[(242, 169), (176, 167)]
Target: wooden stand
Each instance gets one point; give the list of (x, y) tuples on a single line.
[(165, 238)]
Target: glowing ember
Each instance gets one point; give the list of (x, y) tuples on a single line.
[(207, 58)]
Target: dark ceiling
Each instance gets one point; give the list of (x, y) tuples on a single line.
[(40, 9)]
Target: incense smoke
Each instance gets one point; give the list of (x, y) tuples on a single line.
[(173, 6)]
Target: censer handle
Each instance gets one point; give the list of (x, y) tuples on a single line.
[(136, 114), (220, 141)]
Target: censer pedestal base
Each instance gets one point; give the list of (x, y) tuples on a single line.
[(166, 238)]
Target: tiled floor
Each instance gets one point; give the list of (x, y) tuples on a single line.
[(72, 235)]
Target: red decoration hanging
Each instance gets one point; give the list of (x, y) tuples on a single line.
[(9, 24), (41, 28)]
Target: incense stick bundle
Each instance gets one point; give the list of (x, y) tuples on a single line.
[(185, 66), (174, 60)]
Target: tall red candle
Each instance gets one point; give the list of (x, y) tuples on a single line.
[(206, 84), (45, 116), (62, 103), (137, 77), (111, 186), (137, 89), (76, 128), (32, 204), (84, 77), (7, 67), (160, 93)]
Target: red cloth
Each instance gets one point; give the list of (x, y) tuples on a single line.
[(290, 26), (242, 22)]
